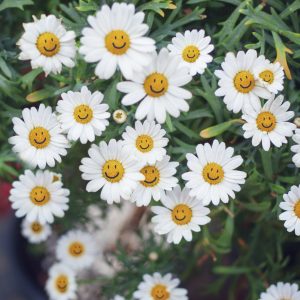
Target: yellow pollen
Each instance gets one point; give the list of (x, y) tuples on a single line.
[(156, 84), (297, 209), (190, 53), (144, 143), (39, 196), (160, 292), (48, 44), (244, 82), (83, 114), (182, 214), (152, 176), (267, 76), (213, 173), (39, 137), (266, 121), (113, 171), (117, 42)]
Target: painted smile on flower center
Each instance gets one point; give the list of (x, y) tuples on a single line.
[(113, 171), (144, 143), (62, 283), (244, 82), (39, 195), (266, 121), (213, 173), (267, 76), (156, 85), (76, 249), (160, 292), (48, 44), (117, 42), (297, 209), (83, 114), (36, 227), (181, 214), (39, 137), (152, 176), (190, 53)]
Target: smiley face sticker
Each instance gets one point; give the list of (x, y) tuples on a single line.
[(48, 44), (61, 283), (113, 171), (182, 214), (117, 42), (144, 143), (76, 249), (36, 227), (213, 173), (266, 121), (39, 196), (190, 54), (156, 85), (39, 137), (244, 82), (160, 292), (267, 76), (152, 176), (83, 114)]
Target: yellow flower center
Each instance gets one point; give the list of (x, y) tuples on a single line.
[(36, 227), (156, 85), (117, 42), (39, 137), (83, 114), (76, 249), (190, 53), (266, 121), (213, 173), (113, 170), (182, 214), (39, 195), (267, 76), (152, 176), (244, 82), (160, 292), (48, 44), (297, 209), (62, 283), (144, 143)]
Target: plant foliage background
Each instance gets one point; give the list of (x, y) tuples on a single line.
[(245, 247)]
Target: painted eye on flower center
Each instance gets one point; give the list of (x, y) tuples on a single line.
[(48, 44), (76, 249), (144, 143), (117, 42), (36, 227), (39, 137), (190, 53), (266, 121), (156, 85), (113, 171), (83, 114), (39, 196), (152, 176), (297, 209), (160, 292), (267, 76), (62, 283), (213, 173), (182, 214), (244, 82)]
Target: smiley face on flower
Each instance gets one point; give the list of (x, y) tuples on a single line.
[(34, 231)]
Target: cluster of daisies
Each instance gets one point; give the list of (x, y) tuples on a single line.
[(137, 167)]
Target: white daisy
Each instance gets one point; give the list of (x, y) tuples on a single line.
[(61, 283), (158, 87), (193, 49), (296, 148), (82, 114), (270, 75), (113, 169), (146, 141), (179, 216), (38, 197), (237, 82), (212, 175), (35, 232), (159, 177), (281, 291), (39, 140), (116, 39), (158, 287), (47, 44), (291, 205), (269, 124), (76, 249)]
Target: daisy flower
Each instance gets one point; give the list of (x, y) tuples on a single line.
[(38, 197), (291, 207), (35, 232), (113, 169), (47, 44), (116, 39), (237, 81), (159, 178), (82, 114), (61, 283), (158, 287), (76, 249), (296, 148), (39, 140), (269, 124), (212, 176), (146, 141), (193, 49), (270, 75), (179, 216), (281, 291), (158, 88)]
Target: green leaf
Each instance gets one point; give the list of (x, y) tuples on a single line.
[(39, 95), (218, 129), (257, 207), (5, 69), (232, 270), (15, 4), (266, 158)]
